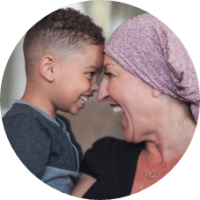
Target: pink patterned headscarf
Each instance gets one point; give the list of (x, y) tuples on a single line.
[(149, 50)]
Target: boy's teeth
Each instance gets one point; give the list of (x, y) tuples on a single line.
[(83, 100), (117, 109)]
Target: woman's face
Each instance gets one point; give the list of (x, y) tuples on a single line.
[(129, 94)]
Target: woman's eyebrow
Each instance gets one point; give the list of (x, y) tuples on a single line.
[(106, 65)]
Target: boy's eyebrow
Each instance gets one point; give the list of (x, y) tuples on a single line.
[(91, 66)]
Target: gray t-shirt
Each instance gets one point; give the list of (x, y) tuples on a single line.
[(46, 146)]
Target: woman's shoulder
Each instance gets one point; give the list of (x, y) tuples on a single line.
[(112, 162), (112, 144), (110, 149)]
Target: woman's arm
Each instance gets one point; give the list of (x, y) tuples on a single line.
[(83, 184)]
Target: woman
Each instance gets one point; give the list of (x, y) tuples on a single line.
[(149, 75)]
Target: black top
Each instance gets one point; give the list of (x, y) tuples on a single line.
[(113, 163)]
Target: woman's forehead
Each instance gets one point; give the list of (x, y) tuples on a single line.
[(108, 61)]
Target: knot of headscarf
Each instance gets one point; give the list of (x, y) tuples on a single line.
[(149, 50)]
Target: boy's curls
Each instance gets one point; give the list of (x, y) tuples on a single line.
[(64, 29)]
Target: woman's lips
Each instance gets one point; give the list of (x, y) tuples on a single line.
[(122, 119), (116, 108)]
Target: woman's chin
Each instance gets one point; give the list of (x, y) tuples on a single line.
[(128, 139), (128, 134)]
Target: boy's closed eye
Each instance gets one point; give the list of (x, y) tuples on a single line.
[(90, 73)]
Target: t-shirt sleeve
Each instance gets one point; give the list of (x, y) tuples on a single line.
[(30, 142), (96, 164), (112, 162), (92, 157)]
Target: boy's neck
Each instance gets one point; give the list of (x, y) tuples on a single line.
[(41, 103)]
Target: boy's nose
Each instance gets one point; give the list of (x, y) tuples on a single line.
[(95, 87), (103, 93)]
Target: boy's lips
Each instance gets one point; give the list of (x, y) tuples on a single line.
[(83, 100)]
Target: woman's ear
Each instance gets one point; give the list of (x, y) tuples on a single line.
[(47, 67), (156, 93)]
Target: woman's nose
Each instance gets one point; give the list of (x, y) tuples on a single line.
[(103, 93)]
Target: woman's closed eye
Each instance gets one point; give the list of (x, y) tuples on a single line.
[(108, 74)]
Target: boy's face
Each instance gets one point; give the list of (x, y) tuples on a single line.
[(76, 78)]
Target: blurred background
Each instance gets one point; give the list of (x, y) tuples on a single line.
[(97, 119)]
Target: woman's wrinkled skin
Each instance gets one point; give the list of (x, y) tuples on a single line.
[(161, 121)]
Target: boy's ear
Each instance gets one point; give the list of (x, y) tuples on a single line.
[(47, 67)]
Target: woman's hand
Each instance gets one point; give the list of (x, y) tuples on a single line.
[(83, 184)]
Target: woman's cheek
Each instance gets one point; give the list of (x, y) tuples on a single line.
[(113, 90)]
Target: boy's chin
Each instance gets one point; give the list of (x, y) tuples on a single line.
[(74, 112), (71, 111)]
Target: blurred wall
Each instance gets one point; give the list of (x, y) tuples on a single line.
[(97, 119)]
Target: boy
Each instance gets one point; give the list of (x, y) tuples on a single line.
[(63, 58)]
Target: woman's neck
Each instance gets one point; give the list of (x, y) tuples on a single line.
[(170, 140)]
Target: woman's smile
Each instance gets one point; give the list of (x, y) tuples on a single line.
[(121, 121)]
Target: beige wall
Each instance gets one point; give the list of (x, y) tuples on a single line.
[(97, 119)]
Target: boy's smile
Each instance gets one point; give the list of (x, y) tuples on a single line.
[(76, 78)]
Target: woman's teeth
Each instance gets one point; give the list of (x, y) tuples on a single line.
[(83, 99), (117, 109)]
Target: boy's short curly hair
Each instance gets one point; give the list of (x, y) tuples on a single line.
[(64, 30)]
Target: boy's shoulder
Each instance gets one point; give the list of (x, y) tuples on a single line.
[(20, 110), (21, 118), (24, 116)]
